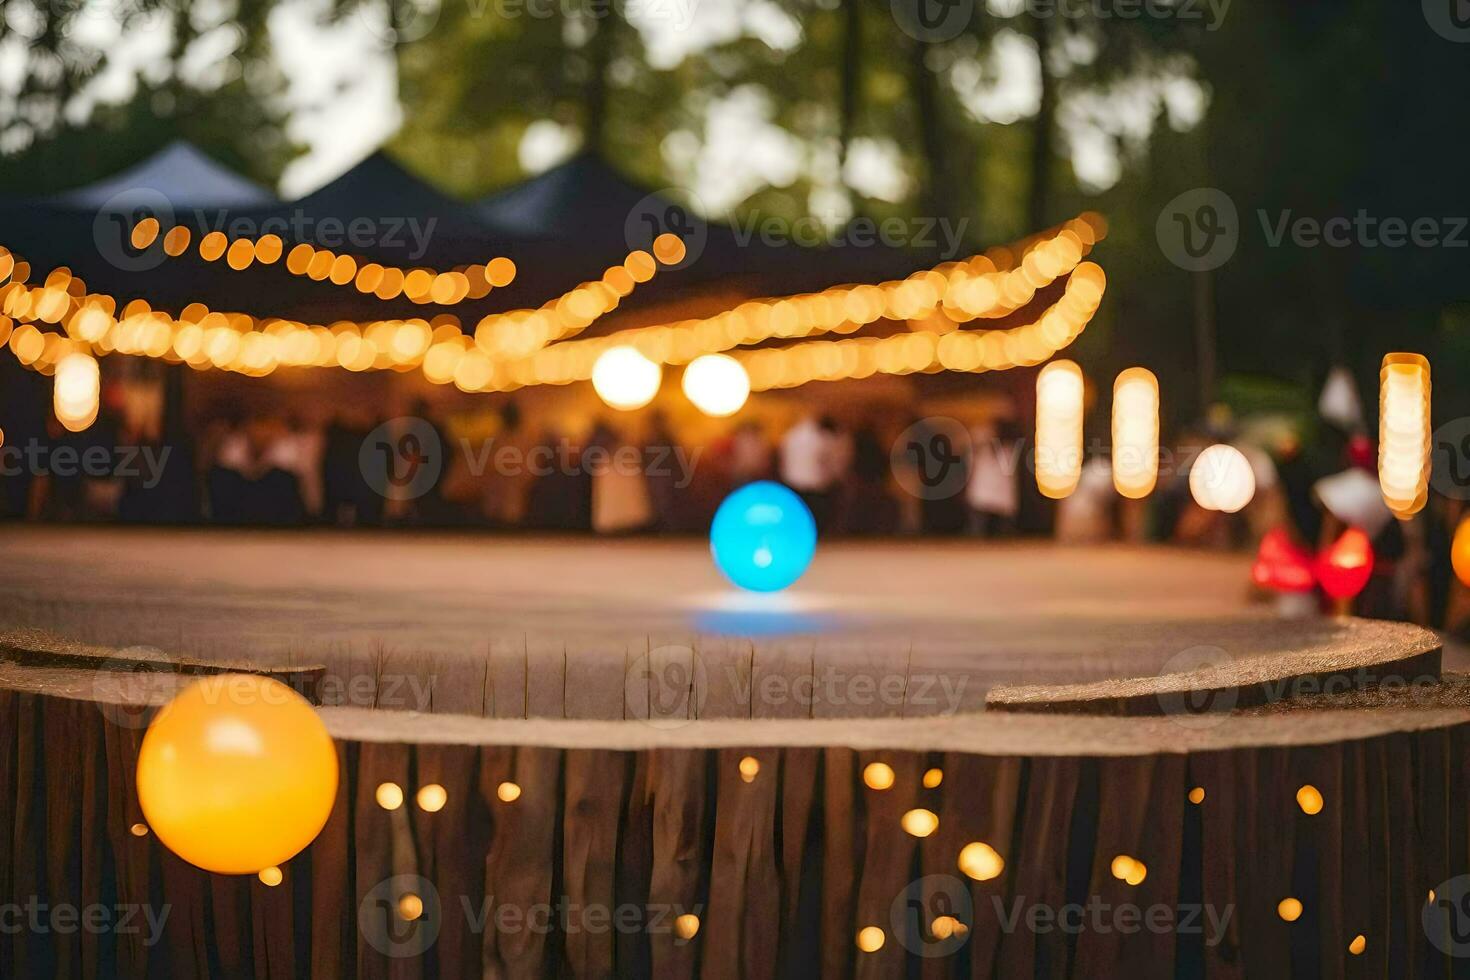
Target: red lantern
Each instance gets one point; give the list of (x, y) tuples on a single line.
[(1282, 565), (1345, 567)]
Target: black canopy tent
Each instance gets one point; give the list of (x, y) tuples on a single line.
[(588, 201), (562, 227), (180, 171)]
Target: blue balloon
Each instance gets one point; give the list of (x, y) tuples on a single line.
[(763, 537)]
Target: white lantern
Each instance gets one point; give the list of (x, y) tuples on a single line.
[(1404, 433), (77, 392), (1059, 390), (1135, 432)]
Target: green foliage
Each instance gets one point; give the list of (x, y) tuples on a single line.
[(1314, 110)]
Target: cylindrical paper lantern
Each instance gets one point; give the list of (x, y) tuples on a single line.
[(1059, 391), (1135, 432), (77, 391), (1404, 433)]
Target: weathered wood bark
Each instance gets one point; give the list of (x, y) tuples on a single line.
[(587, 871)]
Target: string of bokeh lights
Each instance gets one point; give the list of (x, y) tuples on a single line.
[(626, 367), (244, 344), (419, 285)]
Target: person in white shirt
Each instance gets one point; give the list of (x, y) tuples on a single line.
[(992, 491), (807, 458)]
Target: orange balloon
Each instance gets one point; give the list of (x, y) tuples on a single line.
[(237, 774)]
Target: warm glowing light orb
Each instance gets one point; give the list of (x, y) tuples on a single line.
[(1460, 551), (870, 939), (1404, 433), (389, 796), (749, 767), (717, 384), (1221, 479), (945, 926), (237, 774), (1309, 799), (1059, 391), (1129, 869), (76, 395), (763, 537), (980, 861), (432, 797), (1290, 909), (1135, 432), (624, 379), (919, 822), (878, 775)]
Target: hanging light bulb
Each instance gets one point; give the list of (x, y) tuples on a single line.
[(1135, 432), (717, 384), (625, 379), (1404, 433), (1059, 428), (1221, 479)]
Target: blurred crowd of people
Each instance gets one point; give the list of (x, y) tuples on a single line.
[(934, 476), (280, 470)]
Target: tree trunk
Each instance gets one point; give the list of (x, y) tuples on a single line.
[(1204, 337), (937, 192), (1043, 130), (599, 58), (851, 80)]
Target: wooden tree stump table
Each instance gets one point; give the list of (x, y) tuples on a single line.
[(631, 788)]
